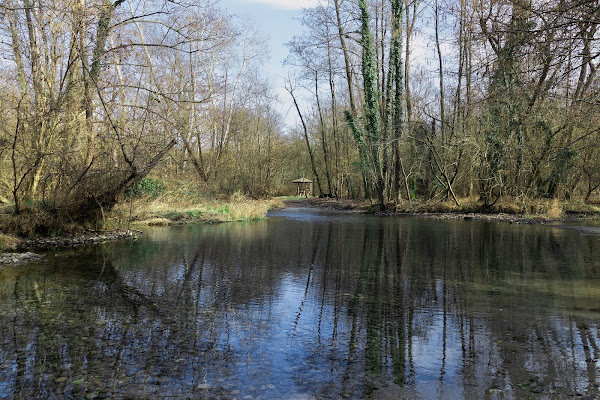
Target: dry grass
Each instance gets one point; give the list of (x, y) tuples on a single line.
[(554, 210), (8, 242), (181, 203), (551, 209), (157, 222), (543, 208), (467, 204), (580, 207)]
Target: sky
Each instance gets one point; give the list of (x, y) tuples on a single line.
[(279, 20)]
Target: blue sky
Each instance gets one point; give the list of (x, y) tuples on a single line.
[(279, 20)]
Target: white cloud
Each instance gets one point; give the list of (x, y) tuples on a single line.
[(288, 4)]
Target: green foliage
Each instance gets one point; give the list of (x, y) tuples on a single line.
[(503, 122), (224, 210), (359, 137), (146, 187), (562, 165), (368, 137), (369, 70), (195, 213)]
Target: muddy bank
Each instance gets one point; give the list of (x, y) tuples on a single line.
[(365, 207), (330, 204)]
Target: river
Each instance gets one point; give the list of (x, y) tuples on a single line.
[(310, 304)]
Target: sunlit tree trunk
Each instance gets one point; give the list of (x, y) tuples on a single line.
[(290, 90)]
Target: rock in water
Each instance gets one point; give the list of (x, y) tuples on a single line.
[(16, 258)]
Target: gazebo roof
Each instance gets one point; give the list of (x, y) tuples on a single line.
[(302, 180)]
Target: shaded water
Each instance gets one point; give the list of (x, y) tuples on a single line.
[(310, 304)]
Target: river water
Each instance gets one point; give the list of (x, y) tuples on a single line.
[(310, 304)]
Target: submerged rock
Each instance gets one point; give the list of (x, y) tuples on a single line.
[(16, 258), (73, 241), (61, 241)]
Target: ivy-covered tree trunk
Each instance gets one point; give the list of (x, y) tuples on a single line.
[(394, 110), (504, 117), (368, 137), (377, 141)]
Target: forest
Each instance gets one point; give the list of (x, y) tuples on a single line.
[(465, 102)]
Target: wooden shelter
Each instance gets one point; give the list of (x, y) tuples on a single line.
[(304, 187)]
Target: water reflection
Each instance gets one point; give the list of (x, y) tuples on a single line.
[(309, 305)]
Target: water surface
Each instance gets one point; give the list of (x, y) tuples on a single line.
[(310, 304)]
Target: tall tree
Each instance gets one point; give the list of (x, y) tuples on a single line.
[(368, 136)]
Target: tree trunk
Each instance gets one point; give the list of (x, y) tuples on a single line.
[(347, 63), (88, 209), (324, 143), (440, 75), (308, 147)]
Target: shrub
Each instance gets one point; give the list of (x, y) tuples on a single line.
[(147, 187)]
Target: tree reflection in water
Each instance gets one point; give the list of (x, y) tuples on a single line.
[(309, 304)]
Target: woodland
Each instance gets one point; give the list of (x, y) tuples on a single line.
[(398, 101)]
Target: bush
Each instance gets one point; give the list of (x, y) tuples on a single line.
[(147, 187)]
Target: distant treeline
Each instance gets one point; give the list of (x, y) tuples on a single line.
[(449, 99)]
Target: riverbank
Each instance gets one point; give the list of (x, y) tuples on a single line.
[(177, 206), (547, 212), (182, 208)]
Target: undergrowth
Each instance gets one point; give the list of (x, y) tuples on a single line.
[(151, 202)]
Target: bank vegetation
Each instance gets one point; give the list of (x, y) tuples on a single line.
[(490, 105)]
